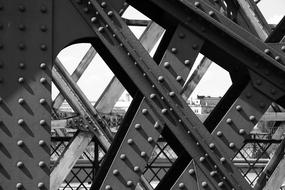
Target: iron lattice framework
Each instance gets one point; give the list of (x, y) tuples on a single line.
[(159, 142)]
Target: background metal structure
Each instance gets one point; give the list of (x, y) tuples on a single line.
[(218, 152)]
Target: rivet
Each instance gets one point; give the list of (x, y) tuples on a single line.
[(21, 101), (43, 80), (22, 46), (43, 65), (143, 154), (213, 173), (41, 142), (43, 9), (1, 26), (181, 185), (122, 156), (241, 131), (283, 48), (219, 133), (1, 80), (212, 145), (160, 79), (152, 96), (258, 82), (144, 111), (137, 126), (178, 78), (115, 172), (1, 45), (20, 143), (22, 27), (108, 187), (220, 184), (187, 62), (204, 184), (85, 9), (267, 51), (229, 121), (195, 46), (191, 171), (197, 143), (202, 159), (19, 186), (136, 169), (42, 122), (130, 141), (43, 47), (20, 122), (163, 111), (78, 1), (171, 94), (197, 4), (101, 29), (42, 164), (22, 65), (251, 118), (262, 105), (273, 91), (42, 101), (110, 13), (277, 58), (211, 13), (43, 28), (41, 185), (181, 35), (1, 64), (129, 183), (223, 159), (232, 145), (174, 50), (150, 139), (248, 95), (166, 64), (22, 8), (93, 19), (20, 164), (103, 4), (1, 100), (238, 108)]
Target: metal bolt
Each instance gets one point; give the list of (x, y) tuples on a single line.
[(22, 27), (41, 142), (277, 58), (152, 96), (22, 65), (212, 145), (238, 108), (223, 159), (20, 79), (101, 29), (160, 79), (42, 122), (174, 50), (229, 121), (41, 185), (22, 46), (122, 156), (19, 186), (283, 48), (156, 125), (21, 101), (108, 187), (43, 28), (144, 111), (130, 141), (163, 111), (166, 64), (219, 133), (191, 171), (43, 80), (93, 19), (42, 101), (20, 143), (232, 145), (220, 184), (181, 185), (43, 9), (20, 164), (43, 47), (267, 51), (178, 78), (171, 94), (20, 122), (143, 154), (110, 13), (204, 184), (202, 159), (136, 169), (103, 4), (150, 139), (43, 65), (211, 13), (213, 173), (241, 131), (187, 62), (137, 126), (197, 4), (22, 8), (42, 164), (115, 172), (129, 183), (251, 118)]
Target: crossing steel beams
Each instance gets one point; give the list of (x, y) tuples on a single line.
[(33, 33)]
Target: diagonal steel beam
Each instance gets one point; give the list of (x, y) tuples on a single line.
[(65, 164), (82, 66)]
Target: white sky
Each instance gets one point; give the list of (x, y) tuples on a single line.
[(215, 82)]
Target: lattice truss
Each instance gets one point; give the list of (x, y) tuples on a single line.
[(159, 143)]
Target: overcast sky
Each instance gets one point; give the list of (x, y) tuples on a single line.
[(215, 82)]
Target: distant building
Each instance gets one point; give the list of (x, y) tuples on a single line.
[(203, 104)]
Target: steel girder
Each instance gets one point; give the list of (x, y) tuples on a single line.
[(197, 26)]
